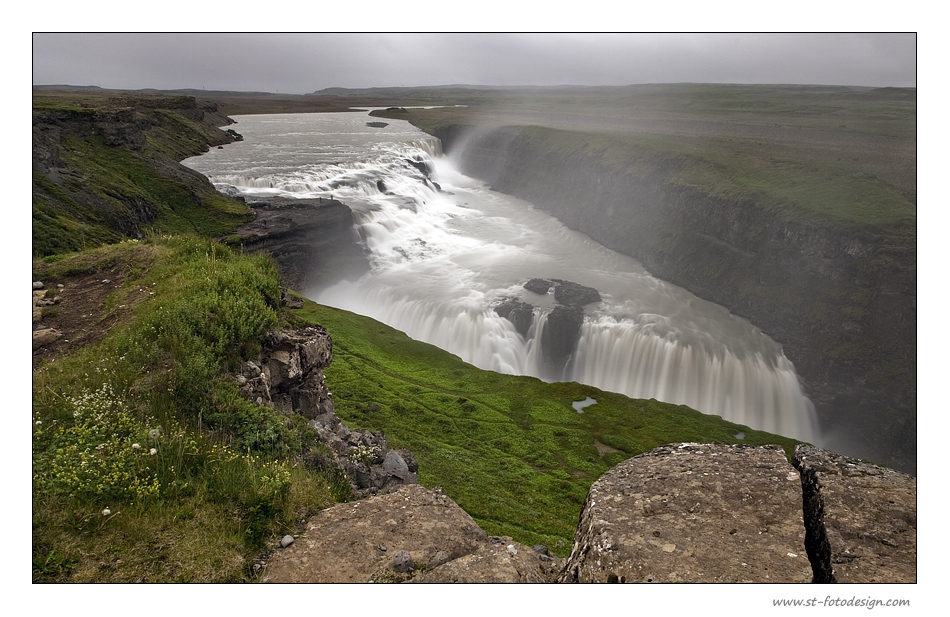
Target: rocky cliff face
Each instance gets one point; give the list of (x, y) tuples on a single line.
[(842, 304), (311, 239)]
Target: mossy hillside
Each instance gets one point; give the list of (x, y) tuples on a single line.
[(510, 450), (148, 466), (91, 191)]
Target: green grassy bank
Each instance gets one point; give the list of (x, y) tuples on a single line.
[(149, 467), (512, 451)]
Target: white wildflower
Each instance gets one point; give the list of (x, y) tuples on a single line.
[(136, 446), (106, 512), (153, 451)]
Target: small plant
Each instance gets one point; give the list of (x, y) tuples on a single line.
[(95, 457), (363, 454)]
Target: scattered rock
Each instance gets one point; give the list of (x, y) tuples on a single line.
[(45, 336), (403, 562), (290, 300), (286, 541), (37, 285)]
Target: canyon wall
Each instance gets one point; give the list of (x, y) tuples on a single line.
[(840, 299)]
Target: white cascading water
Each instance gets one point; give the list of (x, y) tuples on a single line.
[(442, 259)]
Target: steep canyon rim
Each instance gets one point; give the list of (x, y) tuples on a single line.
[(445, 249)]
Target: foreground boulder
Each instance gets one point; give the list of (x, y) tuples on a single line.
[(501, 560), (861, 519), (694, 513), (359, 542)]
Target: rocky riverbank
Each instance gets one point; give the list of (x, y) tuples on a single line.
[(311, 239)]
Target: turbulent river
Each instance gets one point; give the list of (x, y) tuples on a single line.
[(442, 259)]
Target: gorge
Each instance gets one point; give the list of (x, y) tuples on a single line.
[(805, 227), (447, 256), (518, 454)]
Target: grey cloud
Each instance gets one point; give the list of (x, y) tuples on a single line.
[(302, 63)]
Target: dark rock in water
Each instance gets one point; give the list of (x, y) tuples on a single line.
[(234, 135), (539, 286), (573, 294), (565, 292), (380, 186), (377, 125), (559, 337), (521, 314), (421, 166), (560, 334)]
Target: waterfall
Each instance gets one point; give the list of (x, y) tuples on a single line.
[(445, 250)]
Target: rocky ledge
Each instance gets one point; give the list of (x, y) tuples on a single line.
[(683, 512), (733, 513), (313, 240)]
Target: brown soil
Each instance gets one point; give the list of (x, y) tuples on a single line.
[(82, 313)]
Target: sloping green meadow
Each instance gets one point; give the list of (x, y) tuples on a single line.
[(510, 450)]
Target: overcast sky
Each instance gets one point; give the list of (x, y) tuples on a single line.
[(302, 63)]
